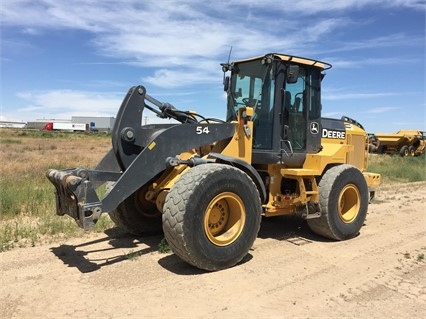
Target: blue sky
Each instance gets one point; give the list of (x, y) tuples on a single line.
[(79, 57)]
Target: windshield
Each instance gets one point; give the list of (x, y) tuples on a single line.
[(252, 85)]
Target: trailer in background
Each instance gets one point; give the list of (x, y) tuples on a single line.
[(61, 126)]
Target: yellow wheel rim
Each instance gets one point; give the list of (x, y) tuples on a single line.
[(143, 206), (224, 219), (349, 203)]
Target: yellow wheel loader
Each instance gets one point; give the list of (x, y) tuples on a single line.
[(206, 182)]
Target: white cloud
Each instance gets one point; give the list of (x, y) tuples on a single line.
[(388, 41), (176, 78), (66, 103), (384, 109), (331, 114), (151, 30), (31, 31), (63, 104), (332, 96), (361, 63), (105, 15)]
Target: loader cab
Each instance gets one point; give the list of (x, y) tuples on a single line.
[(285, 93)]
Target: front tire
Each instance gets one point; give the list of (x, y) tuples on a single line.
[(211, 216), (136, 215), (343, 201)]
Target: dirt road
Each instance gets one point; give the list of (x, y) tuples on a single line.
[(289, 273)]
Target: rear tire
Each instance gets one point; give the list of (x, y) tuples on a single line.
[(412, 151), (343, 201), (212, 216), (136, 215), (404, 151)]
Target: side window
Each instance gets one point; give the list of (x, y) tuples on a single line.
[(295, 95), (305, 94), (315, 95), (296, 105)]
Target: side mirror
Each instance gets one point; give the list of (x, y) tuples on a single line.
[(226, 84), (292, 73)]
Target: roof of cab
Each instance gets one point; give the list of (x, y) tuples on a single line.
[(293, 58)]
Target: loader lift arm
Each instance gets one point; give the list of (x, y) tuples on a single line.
[(139, 154), (127, 138)]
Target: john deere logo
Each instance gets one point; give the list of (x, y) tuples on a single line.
[(314, 128)]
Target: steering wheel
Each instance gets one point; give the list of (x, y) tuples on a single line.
[(249, 102)]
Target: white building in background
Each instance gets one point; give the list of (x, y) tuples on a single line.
[(10, 124), (101, 123)]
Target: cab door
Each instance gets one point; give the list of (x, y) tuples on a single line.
[(302, 131)]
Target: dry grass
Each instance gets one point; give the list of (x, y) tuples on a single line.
[(25, 152), (27, 203)]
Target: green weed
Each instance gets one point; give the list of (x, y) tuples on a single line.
[(398, 169), (133, 255), (163, 246), (10, 141)]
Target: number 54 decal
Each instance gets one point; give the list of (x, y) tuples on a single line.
[(202, 130)]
